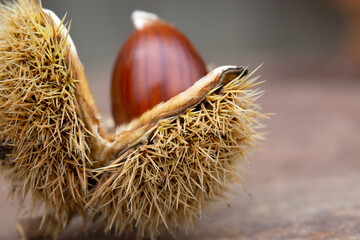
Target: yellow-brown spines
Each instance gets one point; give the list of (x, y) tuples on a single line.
[(39, 120), (189, 161), (156, 172)]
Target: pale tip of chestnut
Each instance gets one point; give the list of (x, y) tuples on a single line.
[(141, 18)]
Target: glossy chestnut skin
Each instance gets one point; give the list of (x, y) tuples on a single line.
[(156, 63)]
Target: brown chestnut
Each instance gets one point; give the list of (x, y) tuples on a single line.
[(156, 62)]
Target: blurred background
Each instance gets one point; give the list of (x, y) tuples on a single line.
[(301, 37), (304, 182)]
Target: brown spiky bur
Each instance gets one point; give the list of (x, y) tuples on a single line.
[(188, 160), (40, 121), (153, 174)]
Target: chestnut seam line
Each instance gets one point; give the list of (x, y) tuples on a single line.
[(162, 63), (133, 94), (185, 55), (146, 70)]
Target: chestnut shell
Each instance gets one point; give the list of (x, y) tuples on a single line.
[(156, 63)]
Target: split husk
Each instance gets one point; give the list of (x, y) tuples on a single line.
[(153, 174)]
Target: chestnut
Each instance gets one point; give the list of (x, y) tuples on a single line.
[(155, 63)]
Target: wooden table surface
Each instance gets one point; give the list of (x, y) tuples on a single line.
[(304, 184)]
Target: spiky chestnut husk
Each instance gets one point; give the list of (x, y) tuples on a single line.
[(45, 138), (188, 161), (152, 174)]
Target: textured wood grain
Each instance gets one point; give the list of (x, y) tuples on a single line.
[(303, 185)]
